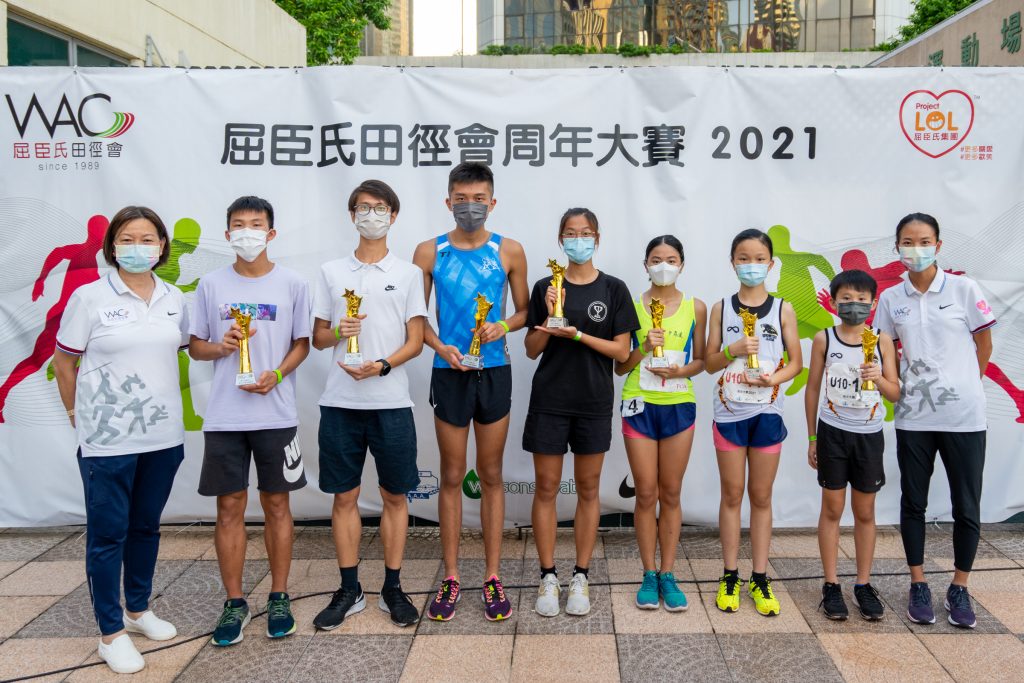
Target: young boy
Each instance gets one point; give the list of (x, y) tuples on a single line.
[(254, 417), (845, 434), (467, 261), (367, 405)]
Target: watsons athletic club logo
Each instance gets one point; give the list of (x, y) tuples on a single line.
[(598, 311), (51, 134), (937, 124), (428, 486), (471, 486)]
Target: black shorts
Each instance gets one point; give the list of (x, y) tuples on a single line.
[(550, 434), (850, 458), (458, 396), (226, 461), (345, 434)]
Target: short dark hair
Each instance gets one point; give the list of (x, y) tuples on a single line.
[(752, 234), (378, 189), (470, 172), (857, 280), (917, 218), (670, 240), (250, 203), (578, 211), (125, 216)]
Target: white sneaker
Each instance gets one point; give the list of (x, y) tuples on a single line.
[(121, 655), (150, 625), (578, 603), (547, 596)]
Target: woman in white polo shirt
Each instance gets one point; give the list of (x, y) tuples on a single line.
[(943, 324), (125, 406)]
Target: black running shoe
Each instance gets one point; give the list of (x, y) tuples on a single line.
[(832, 602), (344, 602), (398, 605), (866, 599)]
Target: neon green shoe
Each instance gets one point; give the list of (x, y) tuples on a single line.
[(728, 599), (764, 599)]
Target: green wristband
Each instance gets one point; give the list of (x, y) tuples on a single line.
[(728, 353), (280, 377), (812, 438), (337, 332), (504, 325), (578, 337)]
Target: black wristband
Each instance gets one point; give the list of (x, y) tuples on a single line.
[(386, 369)]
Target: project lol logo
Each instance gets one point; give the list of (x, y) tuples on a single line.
[(936, 124)]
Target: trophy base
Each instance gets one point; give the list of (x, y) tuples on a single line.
[(659, 362), (355, 359), (871, 397), (753, 373), (475, 362), (243, 379), (554, 323)]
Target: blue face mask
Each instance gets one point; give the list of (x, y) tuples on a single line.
[(917, 259), (752, 274), (579, 249), (137, 258)]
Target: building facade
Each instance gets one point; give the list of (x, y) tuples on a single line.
[(397, 40), (697, 25), (151, 33)]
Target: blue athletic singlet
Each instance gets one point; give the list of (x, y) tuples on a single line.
[(460, 274)]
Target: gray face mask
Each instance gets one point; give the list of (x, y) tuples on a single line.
[(470, 216), (853, 312)]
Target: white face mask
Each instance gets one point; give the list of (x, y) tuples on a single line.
[(248, 243), (664, 273), (373, 227)]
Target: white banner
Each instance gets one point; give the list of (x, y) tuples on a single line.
[(826, 161)]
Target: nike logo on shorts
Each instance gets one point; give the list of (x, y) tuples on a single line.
[(292, 461)]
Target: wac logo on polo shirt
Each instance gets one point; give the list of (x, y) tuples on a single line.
[(936, 124), (116, 315)]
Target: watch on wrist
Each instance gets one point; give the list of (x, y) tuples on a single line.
[(386, 369)]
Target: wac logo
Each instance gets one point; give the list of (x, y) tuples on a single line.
[(471, 485), (936, 124), (116, 314), (91, 118)]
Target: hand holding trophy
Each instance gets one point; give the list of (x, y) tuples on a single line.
[(869, 392), (658, 359), (473, 359), (352, 303), (557, 317), (245, 374), (753, 370)]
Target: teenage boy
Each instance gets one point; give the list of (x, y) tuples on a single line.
[(252, 418), (845, 433), (459, 265), (366, 404)]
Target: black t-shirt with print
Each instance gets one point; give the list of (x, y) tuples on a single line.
[(572, 378)]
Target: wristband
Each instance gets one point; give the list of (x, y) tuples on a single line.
[(578, 337), (71, 413), (728, 353), (504, 325), (812, 438), (337, 332), (280, 377)]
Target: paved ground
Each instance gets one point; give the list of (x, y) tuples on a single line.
[(46, 621)]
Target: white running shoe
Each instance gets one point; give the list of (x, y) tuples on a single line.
[(151, 626), (578, 603), (121, 655), (547, 596)]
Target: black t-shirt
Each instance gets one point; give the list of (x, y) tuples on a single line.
[(572, 378)]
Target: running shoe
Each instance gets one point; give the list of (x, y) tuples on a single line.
[(674, 599), (578, 602), (344, 603), (958, 604), (647, 596), (765, 601), (728, 599), (832, 602), (919, 606), (442, 607), (547, 596), (496, 605), (280, 622), (233, 619), (866, 599), (395, 602)]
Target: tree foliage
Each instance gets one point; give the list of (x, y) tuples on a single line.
[(926, 14), (335, 27)]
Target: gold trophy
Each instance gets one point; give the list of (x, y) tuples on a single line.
[(352, 302), (753, 370), (869, 390), (473, 359), (557, 317), (245, 374), (658, 359)]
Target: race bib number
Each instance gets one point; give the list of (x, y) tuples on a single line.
[(632, 406), (738, 391), (651, 382), (842, 386)]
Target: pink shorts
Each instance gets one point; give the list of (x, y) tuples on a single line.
[(723, 444)]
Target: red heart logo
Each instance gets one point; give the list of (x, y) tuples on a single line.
[(935, 127)]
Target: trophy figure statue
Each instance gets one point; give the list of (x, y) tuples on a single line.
[(658, 359), (473, 359), (557, 317), (352, 303), (245, 374)]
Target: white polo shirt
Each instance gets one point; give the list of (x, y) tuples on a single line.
[(942, 388), (127, 398), (392, 292)]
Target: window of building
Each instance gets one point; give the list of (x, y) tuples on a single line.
[(29, 44)]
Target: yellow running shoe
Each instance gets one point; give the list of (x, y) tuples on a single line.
[(764, 599), (728, 599)]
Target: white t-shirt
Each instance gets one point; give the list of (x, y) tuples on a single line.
[(939, 372), (279, 304), (392, 292), (127, 398)]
